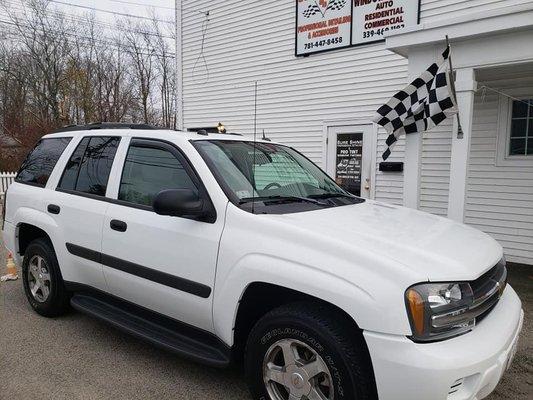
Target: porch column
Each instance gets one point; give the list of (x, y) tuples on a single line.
[(465, 86), (419, 60)]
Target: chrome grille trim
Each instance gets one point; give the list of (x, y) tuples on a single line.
[(487, 290)]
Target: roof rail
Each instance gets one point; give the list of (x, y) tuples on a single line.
[(210, 130), (103, 125)]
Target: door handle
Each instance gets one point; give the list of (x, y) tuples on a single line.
[(53, 209), (117, 225)]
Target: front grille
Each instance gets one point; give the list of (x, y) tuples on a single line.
[(487, 290)]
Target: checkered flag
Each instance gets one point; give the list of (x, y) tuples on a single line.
[(422, 105), (336, 5), (313, 9)]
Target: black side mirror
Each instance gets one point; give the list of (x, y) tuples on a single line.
[(179, 203)]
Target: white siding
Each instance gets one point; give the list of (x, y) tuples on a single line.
[(249, 41), (433, 10), (499, 198), (252, 40), (389, 186), (435, 173)]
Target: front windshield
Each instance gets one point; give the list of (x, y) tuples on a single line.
[(272, 172)]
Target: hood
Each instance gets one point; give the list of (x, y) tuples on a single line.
[(434, 248)]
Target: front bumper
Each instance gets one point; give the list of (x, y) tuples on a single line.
[(467, 367)]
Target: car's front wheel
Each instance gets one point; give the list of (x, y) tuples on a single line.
[(305, 351)]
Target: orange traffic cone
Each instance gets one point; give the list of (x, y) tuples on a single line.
[(11, 267), (11, 270)]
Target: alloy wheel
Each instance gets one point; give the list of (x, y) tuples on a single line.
[(39, 279), (292, 370)]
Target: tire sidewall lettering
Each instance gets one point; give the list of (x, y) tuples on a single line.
[(276, 334)]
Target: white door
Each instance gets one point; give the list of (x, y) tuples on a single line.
[(163, 263), (350, 158), (78, 206)]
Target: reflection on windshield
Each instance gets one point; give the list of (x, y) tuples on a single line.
[(267, 171)]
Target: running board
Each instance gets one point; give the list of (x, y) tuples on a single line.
[(157, 329)]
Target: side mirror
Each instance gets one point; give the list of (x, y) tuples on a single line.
[(179, 203)]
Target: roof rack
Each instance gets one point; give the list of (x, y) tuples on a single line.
[(103, 125), (210, 130)]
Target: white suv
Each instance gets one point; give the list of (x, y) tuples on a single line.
[(226, 250)]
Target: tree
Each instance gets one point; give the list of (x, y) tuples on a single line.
[(58, 69)]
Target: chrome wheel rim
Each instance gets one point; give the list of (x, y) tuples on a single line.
[(292, 370), (39, 279)]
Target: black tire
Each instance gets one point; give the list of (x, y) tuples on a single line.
[(58, 300), (328, 332)]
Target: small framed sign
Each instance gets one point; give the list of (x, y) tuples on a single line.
[(324, 25), (372, 19)]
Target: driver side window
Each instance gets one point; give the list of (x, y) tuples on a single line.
[(149, 170)]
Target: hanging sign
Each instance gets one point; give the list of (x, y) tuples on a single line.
[(373, 19), (323, 25)]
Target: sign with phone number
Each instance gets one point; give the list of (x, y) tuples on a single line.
[(333, 24)]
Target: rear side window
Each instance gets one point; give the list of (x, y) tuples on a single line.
[(88, 169), (70, 175), (40, 163), (147, 171)]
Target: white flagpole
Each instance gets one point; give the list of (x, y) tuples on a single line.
[(460, 133)]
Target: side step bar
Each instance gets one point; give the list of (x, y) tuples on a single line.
[(157, 329)]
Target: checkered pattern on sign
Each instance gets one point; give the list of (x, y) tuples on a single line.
[(313, 9), (422, 105), (336, 4)]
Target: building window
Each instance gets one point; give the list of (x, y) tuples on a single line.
[(521, 141)]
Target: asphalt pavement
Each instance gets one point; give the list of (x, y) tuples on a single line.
[(78, 357)]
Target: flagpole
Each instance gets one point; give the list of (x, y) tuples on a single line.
[(460, 133)]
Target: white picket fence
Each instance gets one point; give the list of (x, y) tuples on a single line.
[(5, 180)]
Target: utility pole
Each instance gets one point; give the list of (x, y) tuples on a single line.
[(178, 84)]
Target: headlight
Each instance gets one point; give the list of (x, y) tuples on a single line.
[(439, 310)]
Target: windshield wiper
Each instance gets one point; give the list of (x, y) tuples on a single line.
[(290, 198), (330, 195)]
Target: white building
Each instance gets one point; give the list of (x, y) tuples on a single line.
[(484, 179)]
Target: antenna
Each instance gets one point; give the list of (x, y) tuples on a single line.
[(255, 145)]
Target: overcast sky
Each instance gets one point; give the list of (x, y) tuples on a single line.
[(163, 8), (107, 11)]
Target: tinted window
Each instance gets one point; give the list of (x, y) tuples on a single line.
[(70, 175), (147, 171), (89, 167), (38, 166)]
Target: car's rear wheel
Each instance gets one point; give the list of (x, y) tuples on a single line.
[(42, 280), (304, 351)]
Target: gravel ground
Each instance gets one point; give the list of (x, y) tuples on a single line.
[(77, 357)]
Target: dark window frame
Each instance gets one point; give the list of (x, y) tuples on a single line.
[(17, 180), (204, 194), (187, 165), (77, 192), (528, 136)]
